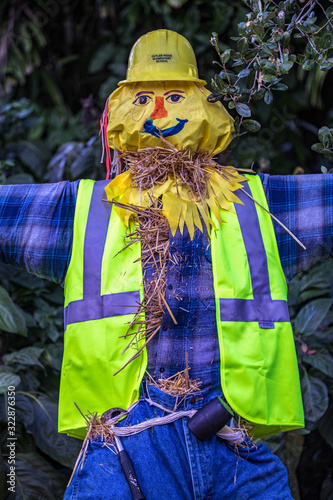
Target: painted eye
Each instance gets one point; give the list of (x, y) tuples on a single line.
[(174, 98), (142, 100)]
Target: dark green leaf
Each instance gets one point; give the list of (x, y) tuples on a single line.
[(219, 82), (286, 38), (270, 79), (101, 57), (279, 86), (286, 67), (54, 92), (268, 97), (234, 55), (307, 28), (325, 66), (250, 79), (258, 30), (37, 479), (44, 428), (214, 97), (243, 110), (325, 426), (225, 57), (7, 379), (324, 136), (238, 62), (251, 125), (24, 409), (237, 127), (322, 360), (271, 46), (318, 148), (327, 41), (315, 398), (228, 75), (35, 155), (259, 95), (244, 73), (28, 356), (269, 67), (328, 154), (11, 319), (242, 28), (242, 46), (52, 356), (309, 64), (312, 314)]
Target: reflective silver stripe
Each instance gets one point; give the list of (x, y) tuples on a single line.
[(261, 308), (106, 306)]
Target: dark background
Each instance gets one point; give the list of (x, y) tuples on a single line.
[(59, 61)]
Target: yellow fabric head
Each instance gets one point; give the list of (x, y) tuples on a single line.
[(139, 112)]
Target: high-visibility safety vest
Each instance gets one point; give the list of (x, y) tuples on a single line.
[(103, 288)]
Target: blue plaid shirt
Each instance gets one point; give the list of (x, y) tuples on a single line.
[(36, 225)]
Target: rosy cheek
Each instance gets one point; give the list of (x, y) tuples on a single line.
[(193, 112)]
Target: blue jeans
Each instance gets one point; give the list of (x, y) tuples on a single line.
[(171, 464)]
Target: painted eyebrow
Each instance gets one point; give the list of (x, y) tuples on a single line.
[(180, 91), (144, 92)]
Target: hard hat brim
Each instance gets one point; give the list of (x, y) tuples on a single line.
[(160, 77)]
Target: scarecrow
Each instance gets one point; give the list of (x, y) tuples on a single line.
[(178, 345)]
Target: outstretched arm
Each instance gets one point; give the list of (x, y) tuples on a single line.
[(36, 227), (304, 203)]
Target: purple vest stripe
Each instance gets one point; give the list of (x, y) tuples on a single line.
[(254, 244), (106, 306), (254, 310), (261, 308), (94, 241), (93, 306)]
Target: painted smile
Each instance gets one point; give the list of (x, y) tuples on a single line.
[(150, 128)]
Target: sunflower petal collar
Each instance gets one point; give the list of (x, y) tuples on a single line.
[(187, 185)]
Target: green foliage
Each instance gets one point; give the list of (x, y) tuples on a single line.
[(51, 97), (266, 50), (11, 319), (311, 312), (32, 365), (325, 146)]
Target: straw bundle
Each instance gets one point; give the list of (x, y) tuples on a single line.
[(177, 385)]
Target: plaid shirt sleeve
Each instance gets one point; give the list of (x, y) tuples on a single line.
[(36, 223), (304, 204), (36, 227)]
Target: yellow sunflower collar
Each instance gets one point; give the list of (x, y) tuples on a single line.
[(187, 185)]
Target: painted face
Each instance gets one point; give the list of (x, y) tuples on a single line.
[(156, 107), (139, 113)]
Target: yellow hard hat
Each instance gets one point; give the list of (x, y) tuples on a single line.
[(162, 55)]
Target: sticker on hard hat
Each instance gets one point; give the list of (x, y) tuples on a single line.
[(161, 58)]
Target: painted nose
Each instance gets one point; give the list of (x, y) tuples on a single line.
[(159, 110)]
